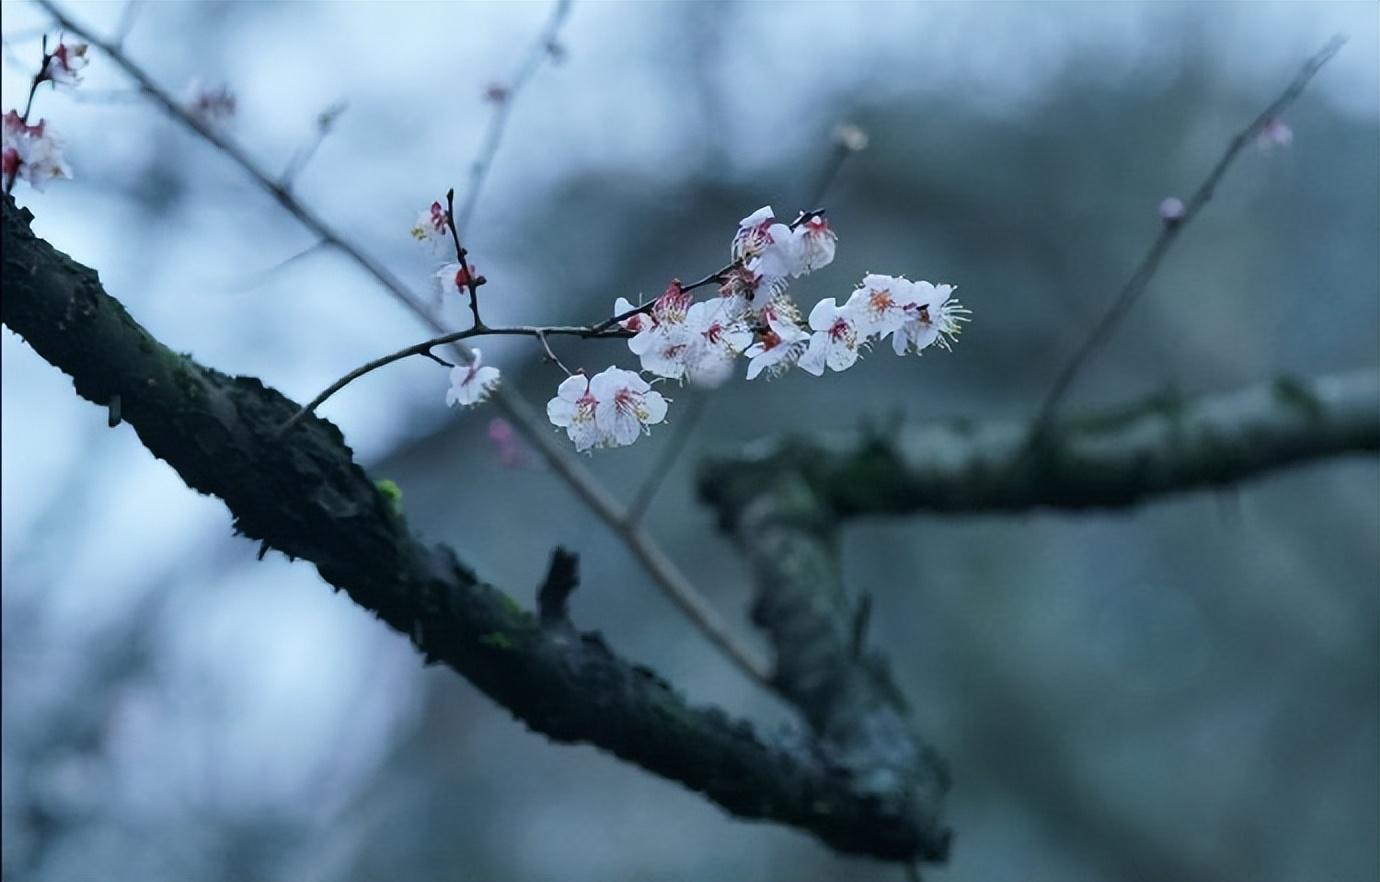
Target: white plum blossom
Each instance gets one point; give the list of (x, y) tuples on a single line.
[(626, 406), (610, 410), (777, 347), (780, 255), (65, 64), (1172, 210), (454, 277), (471, 383), (835, 341), (931, 317), (816, 244), (30, 153), (876, 305), (662, 347), (752, 235), (573, 410), (661, 341), (716, 338), (634, 323), (432, 226)]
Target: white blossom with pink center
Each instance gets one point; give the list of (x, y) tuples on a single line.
[(625, 406), (30, 153), (471, 383), (432, 226), (777, 347), (573, 410), (931, 317), (65, 64), (835, 341), (716, 337)]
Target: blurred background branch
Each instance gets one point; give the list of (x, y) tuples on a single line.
[(1114, 458)]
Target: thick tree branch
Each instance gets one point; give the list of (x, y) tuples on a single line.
[(788, 536), (309, 499), (1108, 460)]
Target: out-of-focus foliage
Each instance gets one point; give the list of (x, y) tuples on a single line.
[(1184, 692)]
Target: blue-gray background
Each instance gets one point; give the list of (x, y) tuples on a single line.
[(1187, 691)]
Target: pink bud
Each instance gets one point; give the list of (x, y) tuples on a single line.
[(1171, 211)]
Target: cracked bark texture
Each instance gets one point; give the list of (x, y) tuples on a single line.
[(304, 495)]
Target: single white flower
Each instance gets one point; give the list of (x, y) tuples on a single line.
[(633, 323), (752, 236), (777, 346), (65, 64), (661, 344), (835, 341), (471, 383), (781, 254), (716, 338), (573, 410), (625, 406), (876, 304), (432, 226), (662, 348), (815, 244), (931, 317), (31, 153), (454, 277)]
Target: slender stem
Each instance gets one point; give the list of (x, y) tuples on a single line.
[(1140, 279), (551, 355), (425, 347), (498, 122), (471, 283), (667, 576)]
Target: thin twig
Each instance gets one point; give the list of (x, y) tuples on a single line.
[(551, 355), (325, 121), (685, 427), (471, 283), (127, 17), (258, 278), (667, 576), (1140, 279), (503, 106), (425, 347)]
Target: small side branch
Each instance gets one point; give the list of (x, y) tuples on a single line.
[(1140, 279), (562, 579)]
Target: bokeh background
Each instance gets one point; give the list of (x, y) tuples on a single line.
[(1186, 691)]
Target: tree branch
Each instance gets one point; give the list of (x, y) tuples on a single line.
[(534, 427), (1112, 459), (310, 500), (1172, 228)]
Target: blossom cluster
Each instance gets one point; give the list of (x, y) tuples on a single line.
[(752, 314)]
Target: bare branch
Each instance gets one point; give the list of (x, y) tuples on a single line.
[(1111, 459), (1136, 285), (546, 46)]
